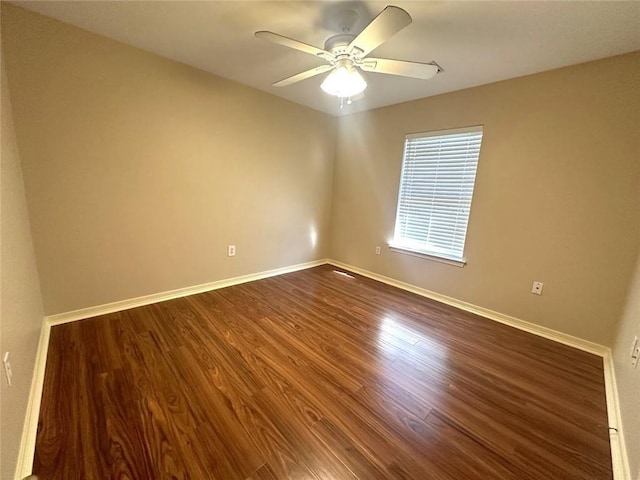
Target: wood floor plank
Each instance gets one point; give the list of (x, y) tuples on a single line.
[(263, 473), (316, 375), (356, 459)]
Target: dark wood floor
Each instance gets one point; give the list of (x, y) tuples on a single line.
[(316, 375)]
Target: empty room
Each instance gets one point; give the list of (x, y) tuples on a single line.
[(326, 240)]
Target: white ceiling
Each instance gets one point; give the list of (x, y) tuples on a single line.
[(475, 42)]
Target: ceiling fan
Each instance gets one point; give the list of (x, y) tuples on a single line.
[(346, 53)]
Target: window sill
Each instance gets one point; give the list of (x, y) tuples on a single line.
[(427, 256)]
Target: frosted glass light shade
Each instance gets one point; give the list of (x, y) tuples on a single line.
[(344, 82)]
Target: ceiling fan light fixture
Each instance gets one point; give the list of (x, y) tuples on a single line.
[(346, 55), (344, 82)]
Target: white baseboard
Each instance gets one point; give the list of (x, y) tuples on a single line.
[(541, 331), (24, 464), (27, 446), (28, 441), (616, 436), (619, 458), (118, 306)]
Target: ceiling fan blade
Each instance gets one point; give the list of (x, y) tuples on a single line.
[(388, 22), (303, 76), (295, 44), (398, 67)]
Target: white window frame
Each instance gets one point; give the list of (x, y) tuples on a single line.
[(407, 204)]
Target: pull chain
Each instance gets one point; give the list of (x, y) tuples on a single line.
[(342, 102)]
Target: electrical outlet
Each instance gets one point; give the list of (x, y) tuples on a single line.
[(537, 288), (7, 368), (378, 250), (231, 251)]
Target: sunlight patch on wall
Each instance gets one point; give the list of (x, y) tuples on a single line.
[(313, 236)]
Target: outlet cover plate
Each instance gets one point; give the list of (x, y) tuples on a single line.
[(537, 288)]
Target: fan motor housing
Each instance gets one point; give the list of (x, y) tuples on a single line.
[(337, 44)]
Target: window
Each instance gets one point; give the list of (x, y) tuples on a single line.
[(436, 187)]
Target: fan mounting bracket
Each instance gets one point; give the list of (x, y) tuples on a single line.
[(345, 20)]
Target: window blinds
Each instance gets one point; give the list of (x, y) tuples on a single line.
[(436, 187)]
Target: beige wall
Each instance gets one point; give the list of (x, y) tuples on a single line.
[(628, 378), (556, 194), (20, 305), (140, 171)]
